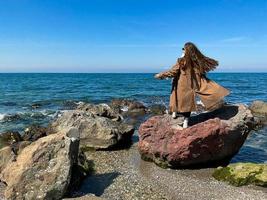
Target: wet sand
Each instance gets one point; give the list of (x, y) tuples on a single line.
[(122, 175)]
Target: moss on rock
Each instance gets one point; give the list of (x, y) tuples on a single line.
[(239, 174)]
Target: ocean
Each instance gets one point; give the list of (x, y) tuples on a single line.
[(32, 98)]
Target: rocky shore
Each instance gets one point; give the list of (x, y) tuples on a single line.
[(93, 150)]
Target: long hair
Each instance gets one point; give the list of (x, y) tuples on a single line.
[(203, 63)]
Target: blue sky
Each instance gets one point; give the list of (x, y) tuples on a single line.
[(130, 35)]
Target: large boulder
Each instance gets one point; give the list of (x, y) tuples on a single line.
[(95, 131), (42, 170), (239, 174), (211, 138)]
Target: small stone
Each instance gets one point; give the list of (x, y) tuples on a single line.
[(36, 105)]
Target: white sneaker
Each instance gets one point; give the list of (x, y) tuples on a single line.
[(185, 124), (174, 115)]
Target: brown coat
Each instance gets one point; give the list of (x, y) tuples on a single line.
[(189, 82)]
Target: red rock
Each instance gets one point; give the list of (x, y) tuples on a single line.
[(212, 137)]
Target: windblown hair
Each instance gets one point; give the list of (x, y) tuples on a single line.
[(202, 63)]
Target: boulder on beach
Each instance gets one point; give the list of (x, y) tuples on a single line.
[(102, 110), (98, 132), (212, 137), (259, 110), (240, 174), (42, 170)]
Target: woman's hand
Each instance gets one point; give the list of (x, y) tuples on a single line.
[(158, 76)]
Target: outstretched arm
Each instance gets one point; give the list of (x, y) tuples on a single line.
[(170, 73)]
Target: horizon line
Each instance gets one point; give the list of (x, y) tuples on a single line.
[(244, 72)]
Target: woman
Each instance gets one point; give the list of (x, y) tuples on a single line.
[(189, 80)]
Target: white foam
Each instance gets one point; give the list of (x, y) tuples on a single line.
[(2, 116), (44, 112), (124, 108), (79, 103)]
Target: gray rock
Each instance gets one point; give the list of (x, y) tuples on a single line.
[(259, 110), (259, 107), (102, 110), (95, 131), (42, 170)]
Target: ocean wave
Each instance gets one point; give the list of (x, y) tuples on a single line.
[(20, 116), (2, 116), (125, 108)]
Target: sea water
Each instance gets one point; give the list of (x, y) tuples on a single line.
[(27, 99)]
